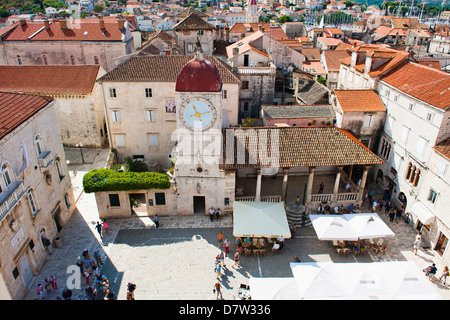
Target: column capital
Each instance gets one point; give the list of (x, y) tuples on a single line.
[(312, 169)]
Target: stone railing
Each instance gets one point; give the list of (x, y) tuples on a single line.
[(263, 199), (11, 200), (321, 197), (347, 196)]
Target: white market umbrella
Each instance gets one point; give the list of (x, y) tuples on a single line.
[(273, 289), (331, 227), (319, 280), (260, 219), (368, 225)]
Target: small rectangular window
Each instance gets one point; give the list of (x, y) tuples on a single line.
[(112, 93), (116, 117), (432, 196), (114, 200), (153, 140), (151, 115), (148, 92), (160, 199), (429, 116), (245, 85), (120, 140)]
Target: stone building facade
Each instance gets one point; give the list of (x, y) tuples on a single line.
[(78, 101), (141, 108), (36, 198), (66, 42)]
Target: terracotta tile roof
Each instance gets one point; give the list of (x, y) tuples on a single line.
[(332, 58), (329, 41), (16, 108), (359, 101), (312, 146), (443, 148), (161, 69), (49, 80), (422, 82), (393, 58), (78, 30), (275, 33), (193, 22)]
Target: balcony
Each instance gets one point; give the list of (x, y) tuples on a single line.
[(45, 159), (10, 198)]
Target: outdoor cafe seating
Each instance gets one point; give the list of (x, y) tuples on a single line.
[(361, 247), (256, 245)]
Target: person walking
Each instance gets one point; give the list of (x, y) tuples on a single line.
[(156, 220), (218, 268), (220, 237), (297, 201), (86, 276), (40, 291), (99, 229), (105, 225), (236, 260), (218, 290), (226, 246), (222, 258), (53, 282), (322, 185), (444, 275), (392, 215), (211, 214), (416, 244), (98, 258)]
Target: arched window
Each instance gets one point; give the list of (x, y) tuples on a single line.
[(19, 60), (408, 172), (96, 60), (32, 201), (7, 174), (58, 168), (413, 174), (72, 60), (416, 178), (38, 144), (44, 59)]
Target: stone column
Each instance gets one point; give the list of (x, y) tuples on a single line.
[(309, 185), (336, 184), (258, 185), (362, 184), (285, 179)]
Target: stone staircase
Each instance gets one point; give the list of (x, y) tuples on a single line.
[(295, 215)]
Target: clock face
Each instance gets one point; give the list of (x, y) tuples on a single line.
[(198, 113)]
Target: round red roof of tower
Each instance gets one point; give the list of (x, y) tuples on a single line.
[(199, 75)]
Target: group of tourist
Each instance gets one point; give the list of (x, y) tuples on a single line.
[(49, 285), (89, 268), (214, 212)]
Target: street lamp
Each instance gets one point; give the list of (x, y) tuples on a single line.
[(80, 145)]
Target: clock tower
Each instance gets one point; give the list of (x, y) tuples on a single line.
[(198, 97)]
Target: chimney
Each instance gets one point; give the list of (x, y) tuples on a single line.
[(63, 24), (235, 59), (47, 24), (368, 63), (354, 58), (227, 33), (102, 23), (217, 32), (22, 22)]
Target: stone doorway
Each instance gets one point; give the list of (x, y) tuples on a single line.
[(199, 204)]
